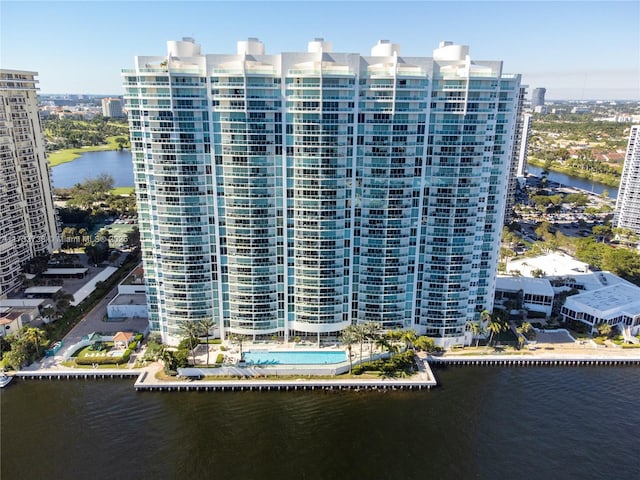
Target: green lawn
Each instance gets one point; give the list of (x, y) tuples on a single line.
[(122, 191), (70, 154)]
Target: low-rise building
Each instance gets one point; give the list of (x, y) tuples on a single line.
[(617, 305), (533, 294), (131, 300)]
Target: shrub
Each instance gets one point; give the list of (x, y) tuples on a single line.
[(223, 348), (220, 358), (138, 337), (404, 362), (105, 360), (133, 345)]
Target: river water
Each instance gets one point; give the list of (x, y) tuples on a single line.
[(118, 165), (575, 182), (481, 423)]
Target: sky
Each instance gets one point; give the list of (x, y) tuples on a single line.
[(575, 49)]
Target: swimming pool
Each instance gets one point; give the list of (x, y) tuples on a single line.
[(309, 357)]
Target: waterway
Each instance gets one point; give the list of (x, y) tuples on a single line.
[(481, 423), (91, 164), (118, 164), (574, 181)]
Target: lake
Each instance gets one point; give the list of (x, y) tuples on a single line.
[(574, 181), (91, 164), (481, 423)]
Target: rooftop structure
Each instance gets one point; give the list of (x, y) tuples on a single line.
[(617, 305), (553, 265), (299, 193)]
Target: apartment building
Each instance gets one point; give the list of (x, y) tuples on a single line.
[(298, 193), (28, 225), (627, 212)]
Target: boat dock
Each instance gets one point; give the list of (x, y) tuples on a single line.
[(523, 361), (75, 374)]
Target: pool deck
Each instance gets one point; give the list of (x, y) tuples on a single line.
[(262, 379)]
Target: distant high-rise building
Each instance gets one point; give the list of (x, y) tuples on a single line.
[(28, 224), (627, 213), (298, 193), (537, 97), (112, 107), (520, 140)]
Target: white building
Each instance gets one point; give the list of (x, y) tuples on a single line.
[(112, 107), (627, 213), (617, 305), (130, 301), (298, 193), (534, 294), (28, 225)]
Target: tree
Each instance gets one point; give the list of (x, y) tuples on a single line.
[(537, 273), (238, 339), (425, 343), (604, 329), (361, 335), (206, 324), (121, 142), (409, 337), (349, 337), (35, 336), (191, 331), (526, 327), (372, 332), (476, 330), (602, 231), (494, 326)]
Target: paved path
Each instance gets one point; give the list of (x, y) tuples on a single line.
[(94, 321)]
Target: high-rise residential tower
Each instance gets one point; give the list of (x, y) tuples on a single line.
[(627, 213), (298, 193), (537, 97), (518, 153), (112, 107), (28, 225)]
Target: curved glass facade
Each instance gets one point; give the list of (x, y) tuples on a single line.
[(296, 194)]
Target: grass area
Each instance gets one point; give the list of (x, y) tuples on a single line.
[(106, 346), (109, 366), (122, 191), (70, 154)]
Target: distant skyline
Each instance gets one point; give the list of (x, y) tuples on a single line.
[(575, 49)]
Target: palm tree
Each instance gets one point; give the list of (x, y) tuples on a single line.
[(476, 330), (167, 358), (191, 330), (35, 336), (409, 337), (360, 333), (383, 343), (495, 326), (238, 339), (206, 324), (349, 337), (604, 329), (485, 316), (372, 332)]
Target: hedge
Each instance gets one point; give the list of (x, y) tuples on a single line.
[(404, 361), (105, 360)]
